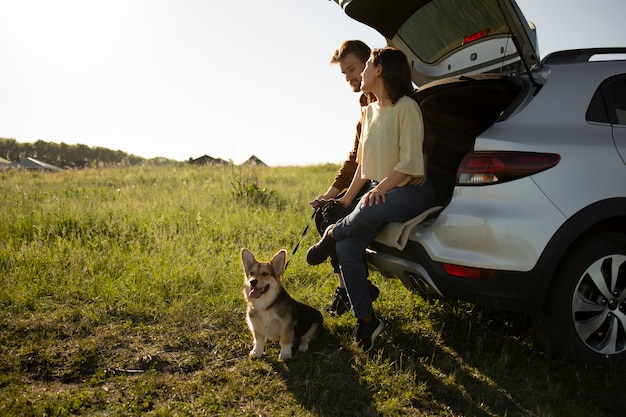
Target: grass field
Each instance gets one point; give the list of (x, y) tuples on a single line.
[(121, 295)]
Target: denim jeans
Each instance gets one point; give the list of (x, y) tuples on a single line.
[(358, 229)]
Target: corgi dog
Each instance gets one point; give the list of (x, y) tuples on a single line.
[(271, 312)]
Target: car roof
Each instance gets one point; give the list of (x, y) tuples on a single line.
[(444, 38)]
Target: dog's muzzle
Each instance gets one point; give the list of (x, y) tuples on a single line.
[(256, 292)]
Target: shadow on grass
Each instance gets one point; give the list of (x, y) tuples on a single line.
[(459, 361), (334, 380), (483, 362), (471, 361), (453, 384), (324, 380)]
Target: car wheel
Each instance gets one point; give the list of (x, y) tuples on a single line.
[(585, 314)]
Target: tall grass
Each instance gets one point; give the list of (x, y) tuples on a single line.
[(120, 294)]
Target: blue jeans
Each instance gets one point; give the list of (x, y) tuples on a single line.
[(358, 229)]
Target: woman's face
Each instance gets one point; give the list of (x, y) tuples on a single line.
[(370, 75)]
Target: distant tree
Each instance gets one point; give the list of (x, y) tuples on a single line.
[(62, 154), (9, 149)]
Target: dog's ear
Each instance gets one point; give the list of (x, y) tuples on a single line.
[(248, 260), (278, 262)]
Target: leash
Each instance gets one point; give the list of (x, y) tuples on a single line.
[(306, 229)]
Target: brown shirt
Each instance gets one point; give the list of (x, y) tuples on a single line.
[(348, 168)]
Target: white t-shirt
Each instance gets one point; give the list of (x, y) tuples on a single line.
[(391, 140)]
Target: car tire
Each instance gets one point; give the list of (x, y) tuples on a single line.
[(584, 318)]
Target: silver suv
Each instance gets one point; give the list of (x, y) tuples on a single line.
[(528, 166)]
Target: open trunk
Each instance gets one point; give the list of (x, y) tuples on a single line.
[(470, 59), (456, 110)]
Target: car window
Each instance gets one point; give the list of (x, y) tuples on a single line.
[(465, 21), (597, 111), (617, 89), (608, 104)]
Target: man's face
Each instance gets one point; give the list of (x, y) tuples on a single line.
[(352, 67)]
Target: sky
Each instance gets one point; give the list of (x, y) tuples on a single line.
[(229, 79)]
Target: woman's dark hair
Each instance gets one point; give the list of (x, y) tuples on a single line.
[(396, 72)]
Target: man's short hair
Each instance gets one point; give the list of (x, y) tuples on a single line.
[(353, 46)]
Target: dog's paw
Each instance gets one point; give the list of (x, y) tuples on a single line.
[(285, 355), (255, 354), (303, 347)]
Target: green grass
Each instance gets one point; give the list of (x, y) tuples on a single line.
[(120, 294)]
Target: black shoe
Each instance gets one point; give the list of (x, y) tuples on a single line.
[(341, 302), (365, 333), (319, 252), (374, 291)]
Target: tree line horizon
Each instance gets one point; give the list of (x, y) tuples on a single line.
[(64, 155)]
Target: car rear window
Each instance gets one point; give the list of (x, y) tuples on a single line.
[(608, 104), (618, 93), (465, 22)]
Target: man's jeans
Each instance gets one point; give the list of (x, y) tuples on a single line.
[(322, 223)]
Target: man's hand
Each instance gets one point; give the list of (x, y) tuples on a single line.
[(330, 211), (320, 201)]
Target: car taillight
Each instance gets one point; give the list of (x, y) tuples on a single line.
[(484, 168), (469, 273)]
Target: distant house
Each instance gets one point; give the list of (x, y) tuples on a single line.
[(207, 160), (35, 165), (253, 160)]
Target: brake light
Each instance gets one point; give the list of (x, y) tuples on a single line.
[(470, 273), (475, 36), (484, 168)]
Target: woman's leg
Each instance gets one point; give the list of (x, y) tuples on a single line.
[(357, 230)]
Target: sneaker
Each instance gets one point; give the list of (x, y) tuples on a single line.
[(341, 302), (365, 333), (319, 252)]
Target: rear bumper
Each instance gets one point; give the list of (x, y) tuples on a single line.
[(521, 292), (518, 291), (507, 228)]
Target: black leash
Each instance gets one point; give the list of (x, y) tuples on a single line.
[(306, 229)]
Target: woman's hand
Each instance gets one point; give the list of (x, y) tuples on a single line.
[(374, 196)]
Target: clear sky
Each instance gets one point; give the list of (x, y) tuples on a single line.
[(229, 79)]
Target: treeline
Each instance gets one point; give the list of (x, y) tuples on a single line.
[(63, 155)]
